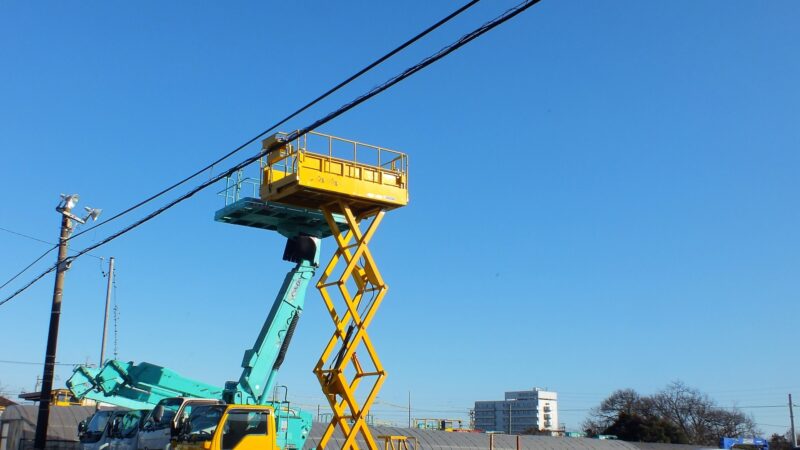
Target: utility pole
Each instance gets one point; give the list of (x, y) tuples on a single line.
[(108, 302), (52, 336), (509, 417), (409, 409), (62, 264), (791, 421)]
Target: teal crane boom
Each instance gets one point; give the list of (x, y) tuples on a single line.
[(144, 385), (263, 361), (135, 386), (141, 385)]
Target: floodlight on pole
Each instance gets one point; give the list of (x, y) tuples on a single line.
[(93, 213), (69, 201), (65, 209)]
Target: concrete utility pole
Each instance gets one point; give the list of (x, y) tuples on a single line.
[(52, 336), (791, 421), (409, 409), (108, 301), (65, 209), (509, 417)]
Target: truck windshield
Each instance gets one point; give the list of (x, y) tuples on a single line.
[(203, 422), (130, 423), (96, 426), (171, 407)]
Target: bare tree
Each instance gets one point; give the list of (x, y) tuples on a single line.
[(698, 417), (692, 414), (621, 401), (781, 441)]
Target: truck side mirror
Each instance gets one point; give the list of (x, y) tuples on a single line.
[(82, 425), (186, 428), (158, 413), (116, 426), (180, 422)]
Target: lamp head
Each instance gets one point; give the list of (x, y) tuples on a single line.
[(67, 202), (93, 213)]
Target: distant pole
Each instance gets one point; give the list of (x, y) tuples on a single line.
[(509, 417), (409, 409), (43, 419), (109, 287), (791, 420)]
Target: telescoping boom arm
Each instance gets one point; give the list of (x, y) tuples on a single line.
[(136, 386), (141, 385), (261, 363)]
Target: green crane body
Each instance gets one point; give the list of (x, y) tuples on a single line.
[(143, 385)]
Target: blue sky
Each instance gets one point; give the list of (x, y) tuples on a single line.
[(603, 195)]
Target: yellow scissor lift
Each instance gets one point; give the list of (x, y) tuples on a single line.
[(361, 182)]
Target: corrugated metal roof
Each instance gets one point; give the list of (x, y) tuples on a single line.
[(63, 423), (443, 440), (5, 402)]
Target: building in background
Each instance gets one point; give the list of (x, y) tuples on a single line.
[(5, 403), (520, 412), (18, 427), (58, 397)]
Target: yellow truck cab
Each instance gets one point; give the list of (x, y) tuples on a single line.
[(229, 427)]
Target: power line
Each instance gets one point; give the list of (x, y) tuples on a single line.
[(308, 105), (42, 241), (31, 363), (25, 236), (772, 425), (759, 389), (751, 407), (464, 40), (25, 269)]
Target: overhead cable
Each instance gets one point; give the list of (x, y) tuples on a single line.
[(31, 363), (26, 236), (308, 105), (25, 269), (464, 40)]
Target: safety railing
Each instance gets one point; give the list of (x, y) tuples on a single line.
[(237, 186), (355, 154), (399, 442), (326, 417)]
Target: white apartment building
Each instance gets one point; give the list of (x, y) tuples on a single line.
[(520, 412)]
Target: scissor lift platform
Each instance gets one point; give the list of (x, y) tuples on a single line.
[(285, 219), (318, 170), (360, 182)]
